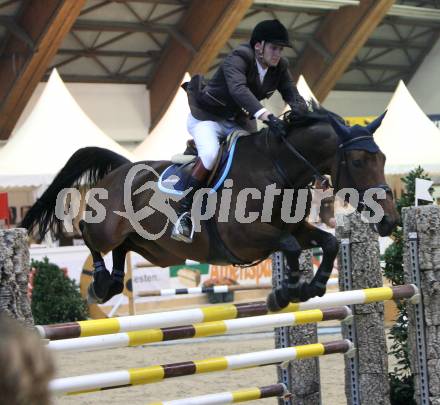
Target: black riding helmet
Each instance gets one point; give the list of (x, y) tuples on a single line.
[(270, 31)]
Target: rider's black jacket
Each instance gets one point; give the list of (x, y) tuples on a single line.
[(235, 88)]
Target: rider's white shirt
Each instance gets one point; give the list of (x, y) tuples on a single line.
[(261, 71)]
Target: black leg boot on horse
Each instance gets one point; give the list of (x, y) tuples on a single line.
[(293, 289), (183, 230), (104, 285)]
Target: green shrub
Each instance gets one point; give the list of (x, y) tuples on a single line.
[(55, 297)]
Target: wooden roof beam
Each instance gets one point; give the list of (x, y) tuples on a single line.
[(207, 26), (46, 23), (342, 34)]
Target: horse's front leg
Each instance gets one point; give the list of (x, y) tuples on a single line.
[(309, 236), (293, 288)]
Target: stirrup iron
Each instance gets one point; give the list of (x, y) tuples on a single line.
[(177, 230)]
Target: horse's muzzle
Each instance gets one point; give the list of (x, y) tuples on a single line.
[(385, 227)]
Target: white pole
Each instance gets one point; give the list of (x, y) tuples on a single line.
[(112, 313)]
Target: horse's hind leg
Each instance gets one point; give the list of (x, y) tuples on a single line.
[(118, 272), (102, 280), (104, 285)]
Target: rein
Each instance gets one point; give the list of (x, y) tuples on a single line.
[(282, 172), (280, 169)]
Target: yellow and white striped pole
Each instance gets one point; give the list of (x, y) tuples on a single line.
[(216, 313), (231, 397), (137, 338), (151, 374)]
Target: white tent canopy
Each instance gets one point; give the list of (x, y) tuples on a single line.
[(305, 90), (55, 129), (170, 134), (407, 136), (277, 105)]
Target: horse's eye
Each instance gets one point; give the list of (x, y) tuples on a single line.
[(357, 163)]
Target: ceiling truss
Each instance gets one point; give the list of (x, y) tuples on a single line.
[(131, 41), (31, 42), (410, 39)]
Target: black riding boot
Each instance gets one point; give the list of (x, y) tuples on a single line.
[(183, 229)]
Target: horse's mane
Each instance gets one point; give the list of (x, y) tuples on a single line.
[(316, 113)]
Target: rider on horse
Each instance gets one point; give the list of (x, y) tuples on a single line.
[(231, 100)]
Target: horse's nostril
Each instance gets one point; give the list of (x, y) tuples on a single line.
[(386, 226)]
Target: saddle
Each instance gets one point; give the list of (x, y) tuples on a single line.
[(174, 178)]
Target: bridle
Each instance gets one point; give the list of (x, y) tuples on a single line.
[(341, 163)]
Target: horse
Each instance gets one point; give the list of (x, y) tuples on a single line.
[(314, 145)]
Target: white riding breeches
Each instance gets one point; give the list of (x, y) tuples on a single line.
[(206, 136)]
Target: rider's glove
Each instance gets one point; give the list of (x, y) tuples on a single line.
[(299, 106), (276, 126)]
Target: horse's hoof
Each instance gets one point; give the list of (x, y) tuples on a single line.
[(92, 297), (318, 291), (275, 301), (302, 292), (115, 288)]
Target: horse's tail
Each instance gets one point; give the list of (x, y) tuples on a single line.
[(87, 165)]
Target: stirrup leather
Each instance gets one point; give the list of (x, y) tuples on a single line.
[(177, 230)]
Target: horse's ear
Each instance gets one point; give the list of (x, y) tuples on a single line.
[(372, 126), (340, 128)]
